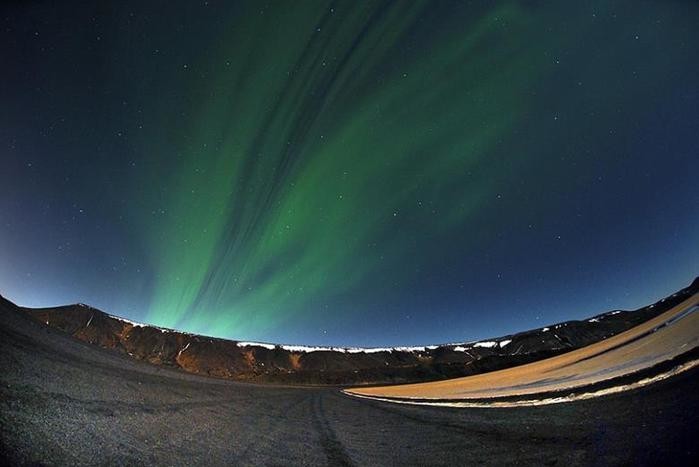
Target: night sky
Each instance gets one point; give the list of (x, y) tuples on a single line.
[(349, 173)]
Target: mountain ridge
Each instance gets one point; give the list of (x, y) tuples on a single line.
[(294, 364)]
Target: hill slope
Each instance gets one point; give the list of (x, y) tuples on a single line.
[(260, 362)]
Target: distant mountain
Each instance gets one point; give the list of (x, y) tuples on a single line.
[(261, 362)]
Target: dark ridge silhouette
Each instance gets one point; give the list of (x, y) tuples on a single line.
[(267, 363)]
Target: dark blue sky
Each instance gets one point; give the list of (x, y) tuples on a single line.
[(329, 173)]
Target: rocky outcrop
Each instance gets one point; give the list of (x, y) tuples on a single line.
[(259, 362)]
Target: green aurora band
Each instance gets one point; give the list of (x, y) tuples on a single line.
[(320, 154)]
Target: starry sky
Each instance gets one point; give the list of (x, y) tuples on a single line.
[(346, 173)]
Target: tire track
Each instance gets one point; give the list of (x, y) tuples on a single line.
[(333, 448)]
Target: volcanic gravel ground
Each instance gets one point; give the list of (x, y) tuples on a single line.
[(64, 402)]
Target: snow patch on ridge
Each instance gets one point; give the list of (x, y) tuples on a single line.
[(486, 344), (409, 349), (307, 348), (132, 323), (367, 350), (255, 344), (136, 324)]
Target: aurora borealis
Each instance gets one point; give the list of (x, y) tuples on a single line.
[(345, 173)]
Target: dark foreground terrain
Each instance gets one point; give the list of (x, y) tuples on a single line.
[(66, 402)]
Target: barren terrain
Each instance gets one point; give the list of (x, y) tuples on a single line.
[(65, 402)]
